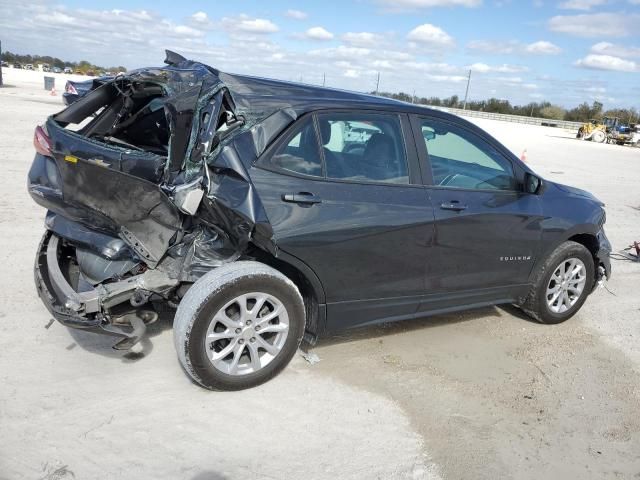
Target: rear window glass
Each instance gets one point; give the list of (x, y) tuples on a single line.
[(300, 153), (363, 147)]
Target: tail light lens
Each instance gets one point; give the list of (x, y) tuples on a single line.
[(69, 88), (42, 142)]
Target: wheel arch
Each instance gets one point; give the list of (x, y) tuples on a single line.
[(585, 236), (308, 284), (590, 242)]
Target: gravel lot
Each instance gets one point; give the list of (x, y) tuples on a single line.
[(481, 395)]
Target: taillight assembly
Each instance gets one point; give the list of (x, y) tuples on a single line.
[(69, 88), (42, 142)]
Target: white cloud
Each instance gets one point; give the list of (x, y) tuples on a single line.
[(447, 78), (200, 18), (365, 39), (595, 24), (395, 5), (430, 35), (318, 33), (504, 68), (296, 14), (244, 23), (509, 47), (351, 73), (342, 52), (607, 62), (494, 47), (543, 47), (581, 4), (624, 51)]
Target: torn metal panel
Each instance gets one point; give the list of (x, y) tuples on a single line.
[(199, 194), (135, 208)]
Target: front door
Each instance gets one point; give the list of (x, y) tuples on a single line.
[(487, 229)]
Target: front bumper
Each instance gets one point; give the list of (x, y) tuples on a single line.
[(602, 255)]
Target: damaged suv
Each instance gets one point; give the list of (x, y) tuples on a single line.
[(267, 212)]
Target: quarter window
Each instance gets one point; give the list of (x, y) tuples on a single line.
[(300, 154), (363, 147), (461, 159)]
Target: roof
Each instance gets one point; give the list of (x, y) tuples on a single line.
[(276, 94)]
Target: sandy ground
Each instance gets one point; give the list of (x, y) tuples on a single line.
[(482, 395)]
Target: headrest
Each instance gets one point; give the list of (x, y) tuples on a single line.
[(379, 150)]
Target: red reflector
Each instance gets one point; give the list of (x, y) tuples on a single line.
[(41, 141)]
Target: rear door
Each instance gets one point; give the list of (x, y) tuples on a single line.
[(351, 206), (487, 229)]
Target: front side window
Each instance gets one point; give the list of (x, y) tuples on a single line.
[(461, 159), (300, 153), (363, 147)]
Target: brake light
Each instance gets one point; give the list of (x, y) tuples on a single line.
[(42, 142), (69, 88)]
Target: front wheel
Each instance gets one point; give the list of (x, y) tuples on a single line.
[(599, 136), (238, 326), (561, 285)]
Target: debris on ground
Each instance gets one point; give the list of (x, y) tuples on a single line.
[(310, 357)]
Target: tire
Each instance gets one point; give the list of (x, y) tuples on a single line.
[(219, 295), (599, 136), (537, 305)]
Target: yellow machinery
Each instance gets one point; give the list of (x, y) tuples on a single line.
[(601, 131)]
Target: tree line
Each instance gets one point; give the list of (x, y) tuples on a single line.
[(83, 65), (582, 113)]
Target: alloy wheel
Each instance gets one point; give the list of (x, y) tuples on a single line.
[(566, 285), (247, 333)]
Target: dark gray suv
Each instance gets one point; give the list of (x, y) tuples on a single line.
[(267, 211)]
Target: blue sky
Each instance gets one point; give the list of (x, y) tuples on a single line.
[(565, 51)]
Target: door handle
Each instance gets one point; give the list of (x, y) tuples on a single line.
[(453, 205), (301, 197)]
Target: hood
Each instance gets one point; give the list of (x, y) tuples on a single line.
[(577, 192)]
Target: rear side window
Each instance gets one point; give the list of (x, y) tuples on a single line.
[(461, 159), (363, 147), (300, 152)]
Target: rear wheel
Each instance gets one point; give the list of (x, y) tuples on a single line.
[(238, 326), (562, 284)]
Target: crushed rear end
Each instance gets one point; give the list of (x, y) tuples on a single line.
[(145, 179)]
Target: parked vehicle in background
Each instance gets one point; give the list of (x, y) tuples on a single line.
[(56, 70), (4, 64), (46, 68), (17, 65), (75, 89), (267, 211), (91, 73), (68, 70), (28, 66)]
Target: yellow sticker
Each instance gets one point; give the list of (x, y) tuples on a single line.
[(71, 159)]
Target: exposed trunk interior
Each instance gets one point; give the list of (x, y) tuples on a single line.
[(124, 113)]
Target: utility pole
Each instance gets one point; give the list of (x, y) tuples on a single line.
[(378, 83), (0, 63), (324, 79), (466, 95)]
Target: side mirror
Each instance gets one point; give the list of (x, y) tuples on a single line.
[(428, 135), (532, 183)]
